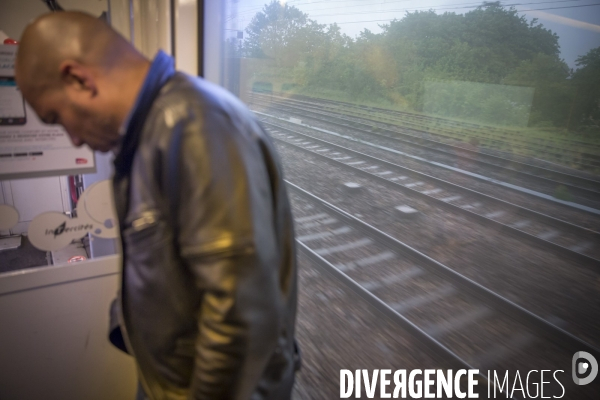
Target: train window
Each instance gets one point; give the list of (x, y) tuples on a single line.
[(443, 162)]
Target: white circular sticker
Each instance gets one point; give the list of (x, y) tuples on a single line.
[(95, 214), (96, 206), (9, 217), (53, 230)]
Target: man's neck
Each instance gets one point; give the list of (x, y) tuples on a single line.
[(132, 85)]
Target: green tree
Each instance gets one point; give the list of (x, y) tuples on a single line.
[(484, 45), (586, 79), (553, 95), (509, 35), (491, 44), (281, 32), (356, 67)]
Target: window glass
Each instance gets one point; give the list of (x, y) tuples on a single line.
[(467, 133)]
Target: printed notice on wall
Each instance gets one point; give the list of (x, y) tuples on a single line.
[(28, 147)]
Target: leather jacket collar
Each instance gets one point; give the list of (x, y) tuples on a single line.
[(161, 70)]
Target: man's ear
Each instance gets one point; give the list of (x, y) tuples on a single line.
[(78, 77)]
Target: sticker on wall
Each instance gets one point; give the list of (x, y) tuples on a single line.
[(53, 231), (9, 217), (96, 206)]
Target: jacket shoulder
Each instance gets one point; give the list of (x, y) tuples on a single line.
[(197, 94)]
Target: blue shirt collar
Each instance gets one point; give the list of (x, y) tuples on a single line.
[(160, 71)]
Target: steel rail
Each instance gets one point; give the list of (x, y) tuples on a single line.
[(482, 163), (517, 188), (544, 328), (580, 258), (430, 343), (551, 221), (436, 349), (585, 194), (337, 106), (397, 114), (412, 127), (314, 102)]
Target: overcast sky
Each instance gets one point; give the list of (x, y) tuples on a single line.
[(577, 22)]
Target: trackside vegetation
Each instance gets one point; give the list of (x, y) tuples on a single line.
[(489, 66)]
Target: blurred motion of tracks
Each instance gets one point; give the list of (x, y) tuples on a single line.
[(461, 321)]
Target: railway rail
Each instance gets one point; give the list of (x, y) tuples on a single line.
[(499, 132), (468, 128), (481, 208), (498, 137), (578, 186), (446, 311), (432, 164)]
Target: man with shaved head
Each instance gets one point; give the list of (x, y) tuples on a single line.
[(76, 71), (208, 295)]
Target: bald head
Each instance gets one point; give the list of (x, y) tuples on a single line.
[(75, 70), (56, 37)]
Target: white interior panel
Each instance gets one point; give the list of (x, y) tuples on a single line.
[(56, 345), (186, 36), (34, 196), (213, 40)]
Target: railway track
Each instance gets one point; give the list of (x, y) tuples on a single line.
[(470, 128), (538, 229), (496, 136), (580, 187), (473, 128), (431, 164), (456, 318)]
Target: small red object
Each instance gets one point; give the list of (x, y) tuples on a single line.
[(10, 41), (77, 259)]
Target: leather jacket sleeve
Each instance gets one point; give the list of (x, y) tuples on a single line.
[(227, 241)]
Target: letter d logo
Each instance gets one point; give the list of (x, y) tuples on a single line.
[(590, 365)]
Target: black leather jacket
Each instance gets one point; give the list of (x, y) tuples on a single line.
[(208, 297)]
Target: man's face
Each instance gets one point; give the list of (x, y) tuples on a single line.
[(84, 121)]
